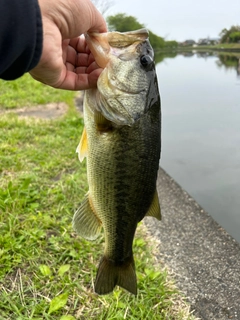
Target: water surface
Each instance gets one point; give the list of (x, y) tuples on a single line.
[(201, 132)]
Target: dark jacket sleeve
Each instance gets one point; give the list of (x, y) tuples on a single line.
[(20, 37)]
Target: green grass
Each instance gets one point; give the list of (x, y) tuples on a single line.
[(27, 92), (228, 46), (46, 271)]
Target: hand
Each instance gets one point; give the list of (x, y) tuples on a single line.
[(66, 62)]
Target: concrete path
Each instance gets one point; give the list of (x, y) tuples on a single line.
[(204, 258)]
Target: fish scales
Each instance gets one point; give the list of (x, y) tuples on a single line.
[(117, 154), (122, 166)]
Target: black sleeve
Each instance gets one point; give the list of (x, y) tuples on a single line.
[(20, 37)]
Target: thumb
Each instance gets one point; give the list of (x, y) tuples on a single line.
[(73, 17)]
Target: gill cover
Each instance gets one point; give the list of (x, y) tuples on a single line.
[(124, 89)]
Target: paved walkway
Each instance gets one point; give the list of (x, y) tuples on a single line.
[(204, 258)]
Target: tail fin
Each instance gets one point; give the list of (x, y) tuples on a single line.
[(110, 274)]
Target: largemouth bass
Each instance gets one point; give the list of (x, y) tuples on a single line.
[(121, 141)]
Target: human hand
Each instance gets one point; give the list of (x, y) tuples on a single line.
[(66, 61)]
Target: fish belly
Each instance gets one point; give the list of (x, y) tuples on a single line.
[(122, 165)]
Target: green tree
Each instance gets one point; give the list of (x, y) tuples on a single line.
[(171, 44), (123, 23), (230, 35), (156, 41), (234, 36)]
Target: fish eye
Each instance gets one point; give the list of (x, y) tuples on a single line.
[(145, 60)]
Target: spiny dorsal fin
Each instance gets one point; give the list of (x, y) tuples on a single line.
[(154, 210), (82, 148), (85, 220)]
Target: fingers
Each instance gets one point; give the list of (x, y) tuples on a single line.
[(79, 81), (79, 44), (77, 53), (78, 57), (68, 64), (79, 69)]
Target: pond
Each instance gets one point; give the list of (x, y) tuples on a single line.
[(200, 95)]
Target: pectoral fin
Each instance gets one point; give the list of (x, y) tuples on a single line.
[(85, 221), (154, 210), (82, 148)]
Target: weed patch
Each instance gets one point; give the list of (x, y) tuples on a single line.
[(46, 271)]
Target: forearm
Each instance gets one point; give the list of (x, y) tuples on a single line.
[(20, 37)]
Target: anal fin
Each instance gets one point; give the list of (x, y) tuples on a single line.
[(154, 210), (85, 221)]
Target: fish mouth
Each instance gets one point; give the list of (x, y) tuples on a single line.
[(103, 45), (117, 53)]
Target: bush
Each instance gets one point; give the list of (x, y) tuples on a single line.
[(234, 36)]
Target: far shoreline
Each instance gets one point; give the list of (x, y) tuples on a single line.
[(234, 50)]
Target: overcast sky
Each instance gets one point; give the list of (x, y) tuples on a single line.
[(181, 19)]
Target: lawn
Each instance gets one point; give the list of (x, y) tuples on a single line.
[(46, 271)]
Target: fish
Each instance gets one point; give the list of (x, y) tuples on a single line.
[(121, 142)]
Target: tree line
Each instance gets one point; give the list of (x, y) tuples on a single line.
[(122, 22), (231, 35)]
